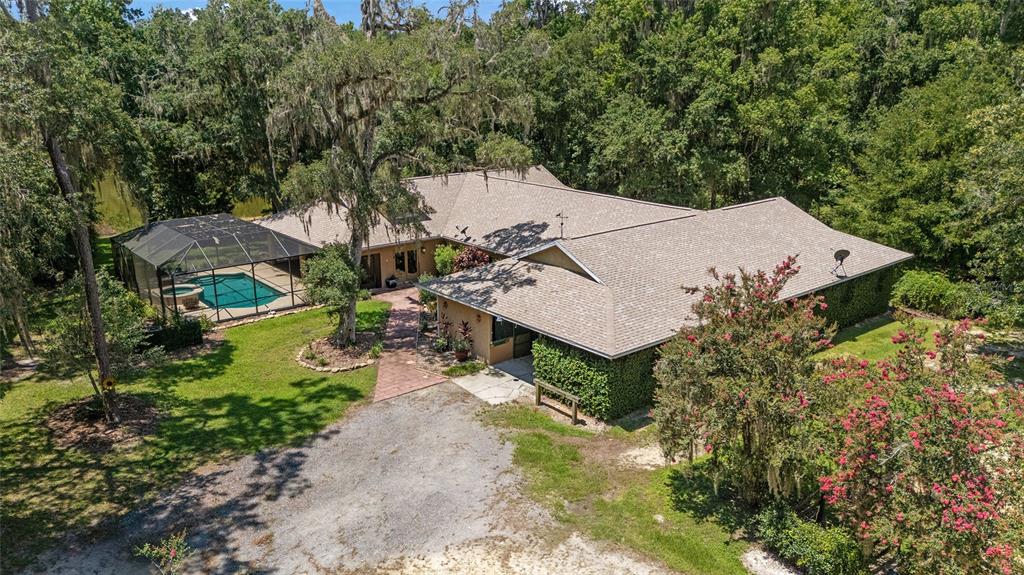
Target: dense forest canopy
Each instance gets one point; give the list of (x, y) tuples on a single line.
[(896, 120)]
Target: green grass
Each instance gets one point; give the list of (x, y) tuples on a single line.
[(117, 210), (872, 339), (373, 315), (244, 396), (623, 506), (467, 368), (103, 254)]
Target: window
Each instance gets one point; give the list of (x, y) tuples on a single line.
[(501, 329), (411, 258), (400, 261)]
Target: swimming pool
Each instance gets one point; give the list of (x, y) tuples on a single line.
[(234, 291)]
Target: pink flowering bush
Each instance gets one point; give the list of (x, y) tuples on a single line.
[(741, 385), (168, 556), (928, 461)]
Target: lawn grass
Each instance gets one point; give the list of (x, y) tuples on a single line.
[(103, 254), (872, 338), (466, 368), (246, 395), (372, 315), (664, 513)]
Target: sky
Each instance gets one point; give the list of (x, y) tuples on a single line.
[(342, 10)]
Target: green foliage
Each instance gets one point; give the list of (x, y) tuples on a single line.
[(741, 384), (444, 259), (814, 549), (467, 368), (858, 299), (930, 292), (376, 349), (332, 280), (373, 315), (169, 555), (426, 298), (68, 345), (178, 333), (608, 388)]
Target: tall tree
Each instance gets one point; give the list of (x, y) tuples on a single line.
[(82, 127), (382, 106)]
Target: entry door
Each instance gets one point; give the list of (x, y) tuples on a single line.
[(371, 271), (522, 342)]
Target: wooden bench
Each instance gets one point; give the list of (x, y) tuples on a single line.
[(540, 386)]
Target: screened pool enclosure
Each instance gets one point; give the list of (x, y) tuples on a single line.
[(218, 266)]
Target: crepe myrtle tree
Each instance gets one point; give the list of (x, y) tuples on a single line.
[(740, 384), (927, 463), (332, 280), (470, 257)]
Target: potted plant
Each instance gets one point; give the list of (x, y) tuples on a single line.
[(462, 343), (461, 348)]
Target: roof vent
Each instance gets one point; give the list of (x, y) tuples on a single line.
[(838, 270)]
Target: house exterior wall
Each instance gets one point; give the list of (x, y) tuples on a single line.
[(424, 260), (456, 313)]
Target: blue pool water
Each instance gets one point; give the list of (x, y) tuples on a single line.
[(234, 291)]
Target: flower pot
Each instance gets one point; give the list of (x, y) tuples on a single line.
[(462, 355)]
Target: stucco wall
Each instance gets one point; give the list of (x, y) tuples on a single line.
[(479, 321), (424, 260), (554, 256)]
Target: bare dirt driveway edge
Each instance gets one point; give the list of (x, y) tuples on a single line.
[(415, 484)]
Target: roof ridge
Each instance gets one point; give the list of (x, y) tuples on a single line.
[(745, 204), (634, 226), (588, 192)]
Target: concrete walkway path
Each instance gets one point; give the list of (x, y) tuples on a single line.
[(396, 370), (501, 383)]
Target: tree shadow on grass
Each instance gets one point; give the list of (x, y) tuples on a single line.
[(692, 492), (51, 491)]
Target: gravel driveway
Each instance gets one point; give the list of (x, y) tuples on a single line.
[(414, 484)]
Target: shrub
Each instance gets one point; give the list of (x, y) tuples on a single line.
[(332, 280), (858, 299), (444, 259), (377, 349), (814, 549), (607, 388), (363, 295), (178, 333), (441, 344), (468, 368), (168, 555), (930, 292), (426, 298), (470, 257)]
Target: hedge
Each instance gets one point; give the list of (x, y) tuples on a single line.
[(608, 388), (178, 334), (859, 298), (814, 549)]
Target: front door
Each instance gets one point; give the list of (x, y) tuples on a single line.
[(370, 265), (522, 342)]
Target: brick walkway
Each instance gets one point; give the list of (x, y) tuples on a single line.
[(396, 370)]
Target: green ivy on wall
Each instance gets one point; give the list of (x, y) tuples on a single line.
[(860, 298), (608, 388)]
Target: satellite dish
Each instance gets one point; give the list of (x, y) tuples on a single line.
[(839, 270)]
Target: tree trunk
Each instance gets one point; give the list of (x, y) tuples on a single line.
[(83, 246), (355, 250)]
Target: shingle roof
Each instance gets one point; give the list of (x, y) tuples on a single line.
[(504, 212), (637, 300)]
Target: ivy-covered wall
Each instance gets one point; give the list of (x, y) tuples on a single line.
[(859, 298), (608, 388)]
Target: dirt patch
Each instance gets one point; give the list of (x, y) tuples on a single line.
[(323, 354), (761, 562), (644, 457), (82, 425)]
